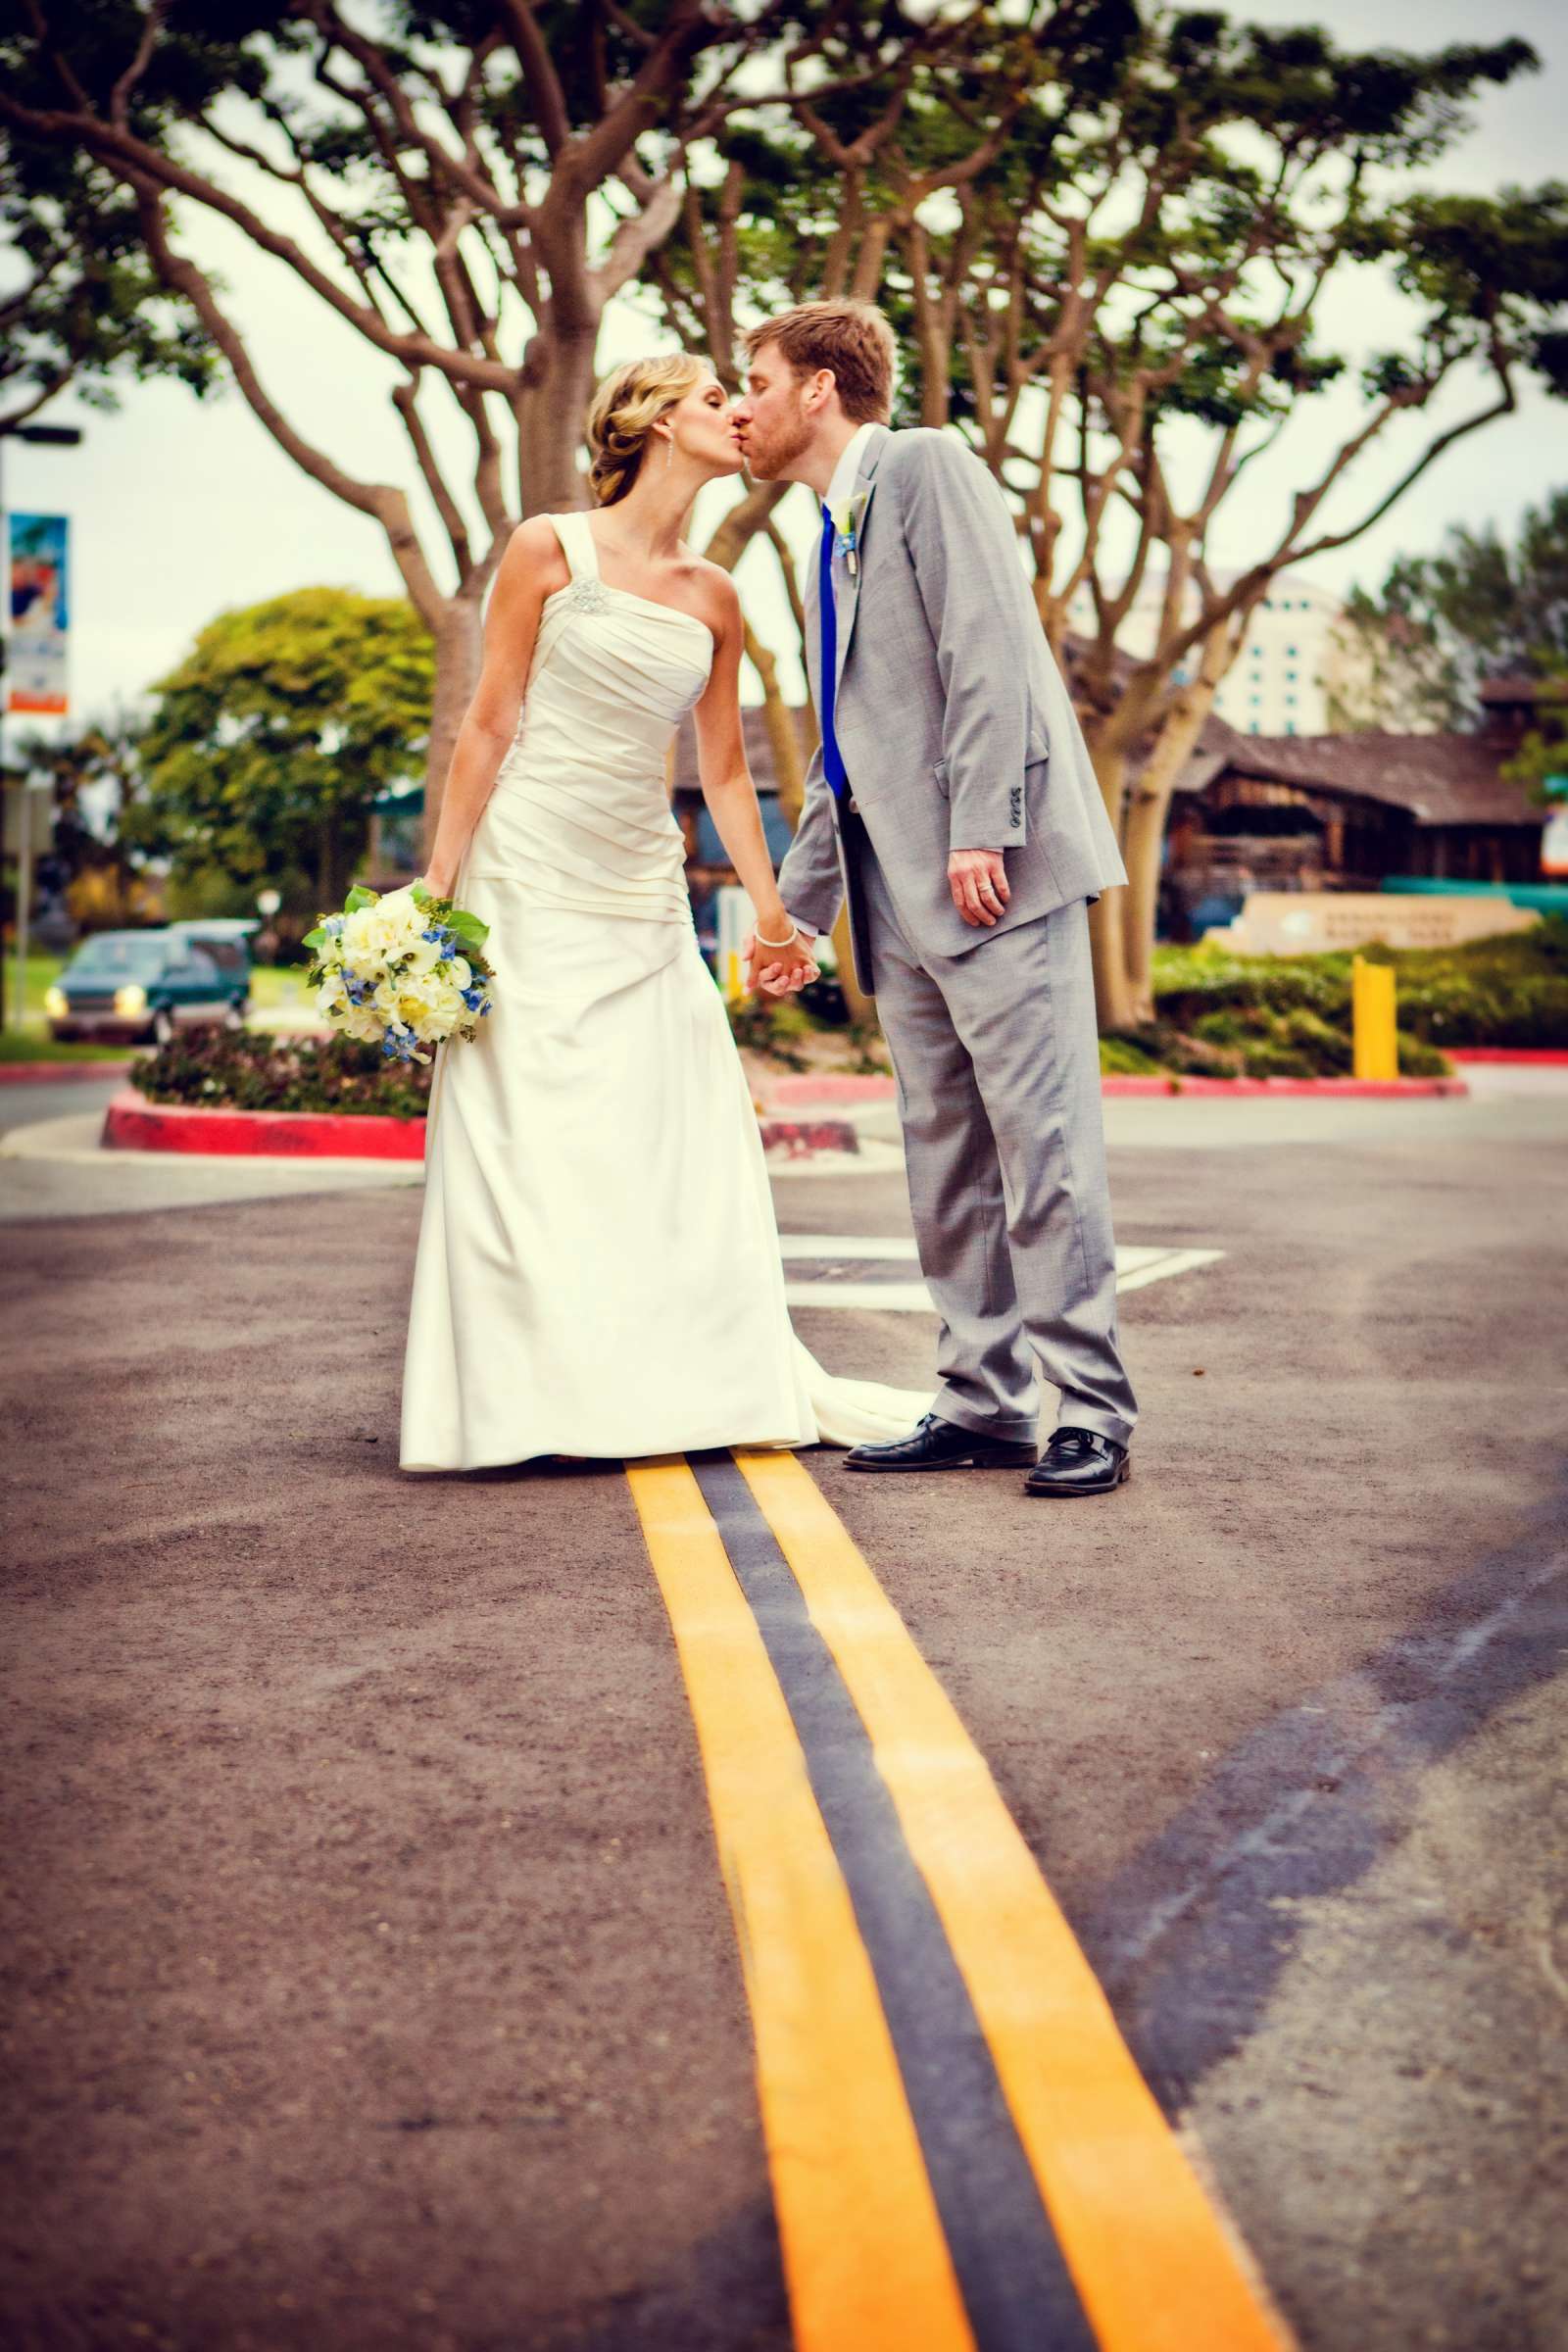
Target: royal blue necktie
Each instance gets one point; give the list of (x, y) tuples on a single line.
[(832, 759)]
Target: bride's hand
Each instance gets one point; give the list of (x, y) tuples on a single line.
[(439, 885), (779, 971)]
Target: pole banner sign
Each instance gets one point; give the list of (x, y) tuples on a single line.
[(41, 615)]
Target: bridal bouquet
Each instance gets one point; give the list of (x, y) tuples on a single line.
[(401, 970)]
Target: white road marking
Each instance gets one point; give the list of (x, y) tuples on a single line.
[(1135, 1267)]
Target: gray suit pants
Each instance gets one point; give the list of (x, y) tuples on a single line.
[(997, 1059)]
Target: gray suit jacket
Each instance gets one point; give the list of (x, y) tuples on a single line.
[(956, 728)]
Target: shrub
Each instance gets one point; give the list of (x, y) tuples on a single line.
[(773, 1025), (1123, 1056), (248, 1070), (1507, 991)]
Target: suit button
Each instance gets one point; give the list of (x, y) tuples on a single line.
[(855, 806)]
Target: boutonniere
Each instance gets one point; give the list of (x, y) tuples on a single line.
[(848, 515)]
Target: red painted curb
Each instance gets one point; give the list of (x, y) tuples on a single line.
[(20, 1073), (1544, 1057), (833, 1086), (802, 1137), (134, 1124)]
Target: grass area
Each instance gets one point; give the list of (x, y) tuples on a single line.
[(274, 984), (36, 1044)]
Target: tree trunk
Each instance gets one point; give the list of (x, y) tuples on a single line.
[(332, 876), (1146, 836), (550, 416), (459, 651), (1114, 1006), (782, 741), (861, 1007)]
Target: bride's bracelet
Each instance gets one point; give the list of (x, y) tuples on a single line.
[(764, 941)]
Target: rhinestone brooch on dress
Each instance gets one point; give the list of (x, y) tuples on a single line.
[(588, 596)]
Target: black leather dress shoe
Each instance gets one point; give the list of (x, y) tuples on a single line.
[(938, 1444), (1079, 1461)]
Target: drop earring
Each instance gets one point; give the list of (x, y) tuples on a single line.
[(669, 452)]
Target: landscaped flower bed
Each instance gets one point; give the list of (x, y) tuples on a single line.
[(248, 1070)]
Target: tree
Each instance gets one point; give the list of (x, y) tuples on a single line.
[(1107, 246), (1122, 314), (464, 186), (273, 739), (1419, 650)]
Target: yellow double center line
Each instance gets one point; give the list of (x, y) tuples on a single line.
[(963, 2151)]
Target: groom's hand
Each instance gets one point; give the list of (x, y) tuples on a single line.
[(978, 881)]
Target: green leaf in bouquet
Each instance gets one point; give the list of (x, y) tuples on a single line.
[(419, 895), (359, 897), (316, 938), (467, 927)]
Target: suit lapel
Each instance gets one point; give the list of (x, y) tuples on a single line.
[(848, 602)]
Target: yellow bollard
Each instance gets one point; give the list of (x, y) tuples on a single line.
[(1374, 1045)]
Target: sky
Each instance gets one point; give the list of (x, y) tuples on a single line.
[(181, 509)]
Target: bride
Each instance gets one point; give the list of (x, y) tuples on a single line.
[(598, 1269)]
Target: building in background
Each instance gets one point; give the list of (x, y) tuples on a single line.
[(1346, 813), (1276, 685)]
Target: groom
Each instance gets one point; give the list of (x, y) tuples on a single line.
[(953, 803)]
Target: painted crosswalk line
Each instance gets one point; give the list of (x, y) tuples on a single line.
[(1135, 1268), (856, 1822)]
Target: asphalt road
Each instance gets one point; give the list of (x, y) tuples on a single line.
[(369, 1971)]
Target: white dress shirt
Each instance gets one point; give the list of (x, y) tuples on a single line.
[(849, 466)]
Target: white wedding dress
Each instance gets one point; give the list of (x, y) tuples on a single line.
[(598, 1269)]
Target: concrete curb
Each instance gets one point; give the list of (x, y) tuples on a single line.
[(804, 1089)]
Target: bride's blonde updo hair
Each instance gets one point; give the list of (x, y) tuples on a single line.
[(625, 409)]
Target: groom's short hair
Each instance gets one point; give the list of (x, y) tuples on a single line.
[(852, 338)]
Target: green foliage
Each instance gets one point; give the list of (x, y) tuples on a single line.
[(778, 1026), (85, 307), (273, 738), (247, 1071), (1124, 1058), (1266, 1013), (1441, 625)]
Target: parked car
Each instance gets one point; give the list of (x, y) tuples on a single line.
[(226, 939), (140, 985)]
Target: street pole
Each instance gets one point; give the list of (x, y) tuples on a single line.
[(54, 436), (23, 892)]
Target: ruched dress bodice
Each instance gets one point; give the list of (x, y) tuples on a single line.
[(580, 813)]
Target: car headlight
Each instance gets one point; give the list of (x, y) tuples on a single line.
[(132, 999), (56, 1002)]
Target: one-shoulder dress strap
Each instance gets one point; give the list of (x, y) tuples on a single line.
[(577, 542)]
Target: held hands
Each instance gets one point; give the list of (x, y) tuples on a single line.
[(779, 971), (978, 881)]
